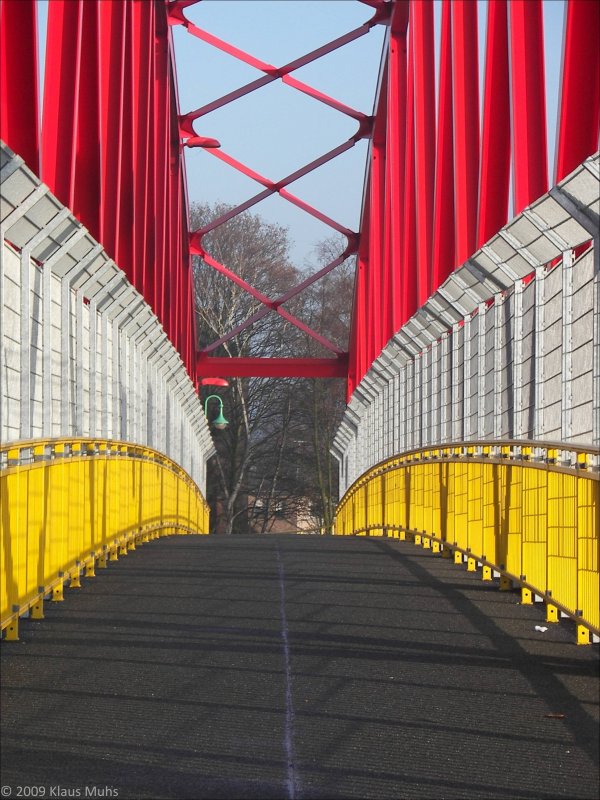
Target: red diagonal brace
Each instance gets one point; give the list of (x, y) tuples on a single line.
[(323, 98), (196, 236), (231, 50), (236, 279), (277, 187), (273, 73), (271, 305), (352, 247)]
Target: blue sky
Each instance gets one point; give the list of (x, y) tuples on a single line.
[(276, 129)]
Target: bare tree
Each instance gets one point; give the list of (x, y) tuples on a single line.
[(276, 447), (257, 252), (329, 307)]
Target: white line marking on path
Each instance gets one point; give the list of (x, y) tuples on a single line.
[(293, 784)]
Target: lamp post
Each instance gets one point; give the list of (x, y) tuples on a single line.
[(219, 422)]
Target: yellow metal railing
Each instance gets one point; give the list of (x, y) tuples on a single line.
[(73, 505), (527, 511)]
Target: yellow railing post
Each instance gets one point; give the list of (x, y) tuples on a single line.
[(71, 505), (527, 511)]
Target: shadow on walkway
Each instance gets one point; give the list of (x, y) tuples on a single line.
[(296, 667)]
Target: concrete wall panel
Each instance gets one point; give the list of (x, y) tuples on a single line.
[(71, 376), (522, 368)]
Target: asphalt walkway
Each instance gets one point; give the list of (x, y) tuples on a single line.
[(296, 667)]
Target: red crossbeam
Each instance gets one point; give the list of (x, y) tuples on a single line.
[(273, 367)]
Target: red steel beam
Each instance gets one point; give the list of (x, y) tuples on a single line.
[(396, 151), (61, 93), (383, 11), (278, 186), (579, 116), (272, 187), (148, 277), (495, 145), (387, 287), (466, 126), (424, 98), (443, 234), (530, 152), (274, 304), (272, 367), (409, 223), (141, 43), (126, 220), (271, 305), (376, 248), (86, 205), (361, 304), (161, 67), (19, 126), (273, 73), (111, 146), (112, 43)]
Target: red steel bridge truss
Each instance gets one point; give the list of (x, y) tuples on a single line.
[(111, 141)]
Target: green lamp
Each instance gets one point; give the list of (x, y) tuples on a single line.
[(219, 422)]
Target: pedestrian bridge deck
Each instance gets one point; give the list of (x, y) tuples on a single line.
[(297, 667)]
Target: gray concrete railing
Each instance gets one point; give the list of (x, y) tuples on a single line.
[(82, 353), (507, 348)]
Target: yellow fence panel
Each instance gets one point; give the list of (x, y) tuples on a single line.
[(527, 510), (65, 503), (588, 521)]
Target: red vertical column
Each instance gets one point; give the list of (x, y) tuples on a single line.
[(160, 156), (495, 145), (387, 281), (409, 225), (190, 319), (362, 319), (126, 172), (19, 124), (142, 42), (579, 116), (149, 260), (396, 151), (530, 153), (61, 95), (71, 151), (112, 45), (187, 288), (466, 126), (424, 99), (362, 301), (174, 210), (177, 266), (366, 267), (443, 235), (376, 241), (86, 187), (353, 342)]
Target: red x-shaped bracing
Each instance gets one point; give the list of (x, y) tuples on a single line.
[(192, 139)]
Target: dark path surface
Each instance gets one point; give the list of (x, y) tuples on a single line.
[(296, 667)]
